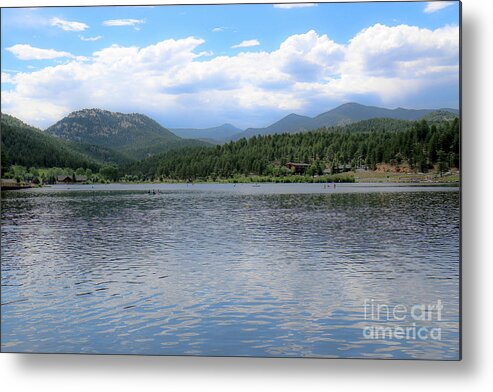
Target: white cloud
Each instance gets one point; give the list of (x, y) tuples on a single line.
[(123, 22), (308, 73), (34, 111), (10, 70), (310, 56), (68, 25), (205, 53), (294, 5), (401, 50), (6, 78), (28, 52), (436, 6), (247, 44), (218, 29), (96, 38)]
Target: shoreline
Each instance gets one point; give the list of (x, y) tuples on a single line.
[(369, 183), (154, 186), (357, 178), (366, 177)]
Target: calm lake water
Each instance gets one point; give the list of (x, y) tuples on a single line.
[(269, 270)]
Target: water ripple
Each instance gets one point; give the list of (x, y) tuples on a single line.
[(280, 271)]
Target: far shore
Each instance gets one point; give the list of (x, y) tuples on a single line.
[(359, 177), (421, 178), (363, 177)]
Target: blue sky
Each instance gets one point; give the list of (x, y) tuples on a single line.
[(249, 65)]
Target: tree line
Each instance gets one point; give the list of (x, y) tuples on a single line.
[(421, 145), (23, 145)]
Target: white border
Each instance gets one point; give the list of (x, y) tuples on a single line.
[(96, 373)]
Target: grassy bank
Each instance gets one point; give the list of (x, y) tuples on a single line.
[(363, 176), (359, 176), (338, 178), (382, 177)]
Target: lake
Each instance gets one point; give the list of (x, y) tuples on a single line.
[(277, 270)]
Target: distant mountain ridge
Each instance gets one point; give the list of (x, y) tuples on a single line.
[(345, 114), (134, 135), (218, 134), (91, 137), (440, 115)]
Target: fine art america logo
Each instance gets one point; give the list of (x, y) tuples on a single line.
[(402, 322)]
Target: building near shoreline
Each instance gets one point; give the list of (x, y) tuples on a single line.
[(70, 179), (298, 168)]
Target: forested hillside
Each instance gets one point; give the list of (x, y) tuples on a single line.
[(133, 135), (420, 145), (345, 114), (364, 144), (30, 147)]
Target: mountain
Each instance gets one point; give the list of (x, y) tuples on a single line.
[(347, 113), (440, 115), (365, 143), (290, 124), (352, 112), (27, 146), (134, 135), (104, 128), (373, 125), (215, 134)]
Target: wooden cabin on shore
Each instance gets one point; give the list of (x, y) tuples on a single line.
[(298, 168), (71, 179)]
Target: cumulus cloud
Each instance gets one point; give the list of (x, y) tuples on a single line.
[(401, 50), (247, 44), (308, 72), (123, 22), (96, 38), (68, 25), (218, 29), (6, 78), (294, 5), (28, 52), (437, 6), (310, 56)]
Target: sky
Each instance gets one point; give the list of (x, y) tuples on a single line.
[(248, 65)]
